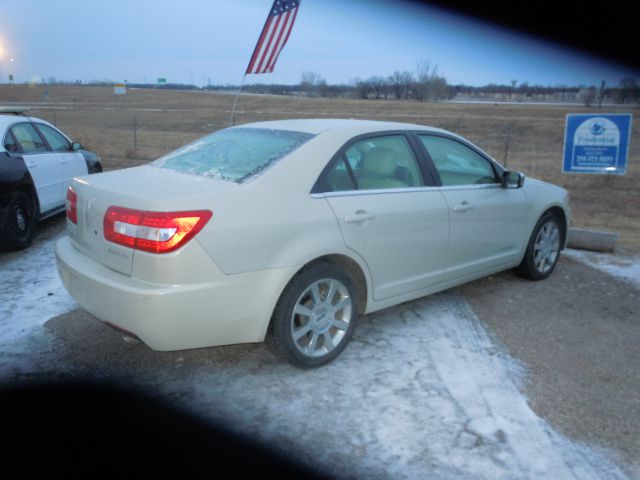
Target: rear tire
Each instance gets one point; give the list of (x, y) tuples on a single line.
[(315, 317), (19, 223), (543, 249)]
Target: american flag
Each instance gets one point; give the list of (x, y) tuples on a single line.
[(275, 34)]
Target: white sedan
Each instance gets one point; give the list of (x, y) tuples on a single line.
[(286, 231)]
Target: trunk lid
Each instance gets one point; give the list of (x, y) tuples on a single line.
[(141, 188)]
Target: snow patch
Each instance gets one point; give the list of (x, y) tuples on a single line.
[(422, 392), (624, 268), (30, 294)]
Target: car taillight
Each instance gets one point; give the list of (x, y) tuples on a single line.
[(156, 232), (72, 205)]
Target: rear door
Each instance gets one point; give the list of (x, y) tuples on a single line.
[(388, 215), (488, 221), (73, 163), (44, 166)]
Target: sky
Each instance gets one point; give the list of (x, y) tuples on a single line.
[(211, 41)]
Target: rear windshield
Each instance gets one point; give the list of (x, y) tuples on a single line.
[(233, 154)]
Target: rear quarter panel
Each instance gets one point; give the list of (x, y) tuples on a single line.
[(272, 221)]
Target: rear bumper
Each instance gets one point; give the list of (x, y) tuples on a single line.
[(227, 309)]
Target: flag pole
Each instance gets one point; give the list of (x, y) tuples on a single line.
[(232, 122), (235, 102)]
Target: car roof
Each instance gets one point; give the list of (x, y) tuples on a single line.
[(317, 126), (9, 119), (343, 128)]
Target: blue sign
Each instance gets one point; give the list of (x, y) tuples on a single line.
[(597, 143)]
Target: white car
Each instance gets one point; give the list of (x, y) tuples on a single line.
[(288, 230), (37, 164)]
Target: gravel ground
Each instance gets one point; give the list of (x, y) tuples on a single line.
[(578, 333)]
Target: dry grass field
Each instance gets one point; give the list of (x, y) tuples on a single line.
[(165, 119)]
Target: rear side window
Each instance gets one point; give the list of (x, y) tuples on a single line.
[(28, 138), (56, 141), (233, 154), (385, 162)]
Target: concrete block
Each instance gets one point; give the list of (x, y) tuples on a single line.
[(592, 240)]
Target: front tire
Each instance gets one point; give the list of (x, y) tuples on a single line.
[(543, 249), (20, 223), (315, 317)]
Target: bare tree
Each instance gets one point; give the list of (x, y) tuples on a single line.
[(428, 85), (439, 90), (362, 88), (311, 82), (524, 89), (420, 86), (400, 83), (323, 88), (379, 86), (628, 90)]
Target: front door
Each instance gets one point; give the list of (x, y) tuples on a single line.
[(73, 163), (488, 222), (388, 216)]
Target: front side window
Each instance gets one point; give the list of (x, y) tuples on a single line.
[(456, 163), (57, 142), (385, 162), (28, 138), (233, 154)]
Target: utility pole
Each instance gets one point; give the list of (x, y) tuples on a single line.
[(601, 94), (135, 137)]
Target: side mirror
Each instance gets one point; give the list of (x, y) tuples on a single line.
[(512, 179), (75, 146)]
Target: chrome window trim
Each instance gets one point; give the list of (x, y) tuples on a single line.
[(472, 187), (384, 191)]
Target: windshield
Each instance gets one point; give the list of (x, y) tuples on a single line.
[(234, 153)]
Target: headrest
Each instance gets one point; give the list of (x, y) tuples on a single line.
[(380, 161)]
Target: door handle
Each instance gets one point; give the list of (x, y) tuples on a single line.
[(463, 207), (359, 217)]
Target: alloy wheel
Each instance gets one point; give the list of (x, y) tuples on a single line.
[(321, 317), (546, 247)]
